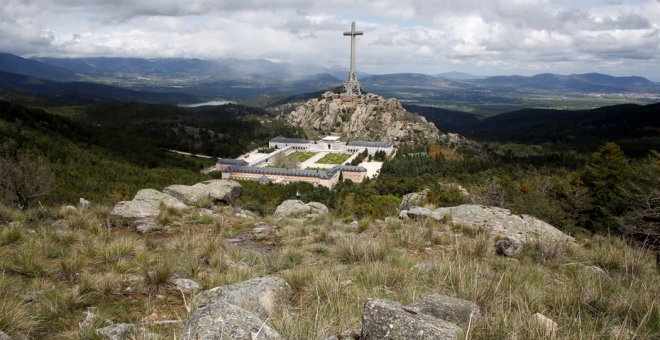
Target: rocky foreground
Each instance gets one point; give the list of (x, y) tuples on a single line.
[(242, 310), (187, 263)]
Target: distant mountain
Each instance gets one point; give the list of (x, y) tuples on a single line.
[(405, 79), (185, 70), (76, 93), (458, 76), (15, 64), (589, 82), (124, 67), (238, 80)]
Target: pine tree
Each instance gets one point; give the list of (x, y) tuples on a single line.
[(607, 177)]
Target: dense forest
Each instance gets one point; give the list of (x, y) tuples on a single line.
[(633, 127), (107, 152)]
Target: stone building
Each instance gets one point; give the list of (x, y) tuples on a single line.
[(326, 178), (332, 144)]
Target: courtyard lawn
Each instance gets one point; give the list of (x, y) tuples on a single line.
[(334, 158), (302, 155)]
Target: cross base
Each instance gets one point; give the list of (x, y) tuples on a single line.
[(352, 88)]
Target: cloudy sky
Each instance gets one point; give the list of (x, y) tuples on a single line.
[(486, 37)]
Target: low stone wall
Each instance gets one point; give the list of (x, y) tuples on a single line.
[(356, 177), (284, 179)]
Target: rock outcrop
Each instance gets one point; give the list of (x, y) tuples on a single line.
[(262, 295), (368, 117), (448, 308), (143, 208), (501, 223), (225, 191), (384, 319), (418, 199), (297, 208), (223, 320), (155, 198)]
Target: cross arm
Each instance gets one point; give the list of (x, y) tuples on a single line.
[(353, 33)]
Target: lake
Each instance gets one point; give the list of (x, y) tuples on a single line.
[(209, 103)]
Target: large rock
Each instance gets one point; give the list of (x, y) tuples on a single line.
[(217, 190), (127, 212), (226, 191), (221, 320), (263, 296), (297, 208), (417, 212), (368, 117), (189, 194), (144, 207), (414, 199), (448, 308), (384, 319), (500, 222), (156, 198), (317, 208)]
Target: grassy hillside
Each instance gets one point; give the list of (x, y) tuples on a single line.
[(61, 265)]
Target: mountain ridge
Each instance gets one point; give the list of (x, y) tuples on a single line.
[(78, 92)]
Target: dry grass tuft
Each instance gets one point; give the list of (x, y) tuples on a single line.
[(16, 319), (351, 249)]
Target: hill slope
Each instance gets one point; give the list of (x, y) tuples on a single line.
[(15, 64), (636, 125), (86, 93)]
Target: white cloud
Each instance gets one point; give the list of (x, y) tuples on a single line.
[(487, 37)]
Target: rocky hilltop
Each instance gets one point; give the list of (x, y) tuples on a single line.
[(367, 117)]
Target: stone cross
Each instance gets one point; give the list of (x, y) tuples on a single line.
[(352, 86)]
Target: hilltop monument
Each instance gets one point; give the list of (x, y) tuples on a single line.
[(354, 116), (352, 86)]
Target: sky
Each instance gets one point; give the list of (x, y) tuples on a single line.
[(495, 37)]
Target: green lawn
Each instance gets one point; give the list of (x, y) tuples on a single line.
[(334, 158), (302, 155)]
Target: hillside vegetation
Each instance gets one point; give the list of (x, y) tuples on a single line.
[(634, 127), (107, 152)]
